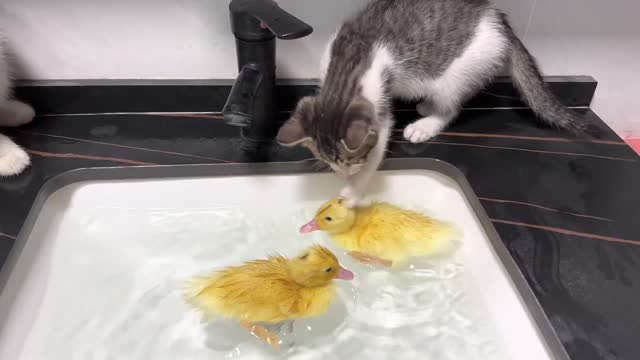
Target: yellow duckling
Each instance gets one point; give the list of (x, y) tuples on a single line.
[(380, 232), (271, 291)]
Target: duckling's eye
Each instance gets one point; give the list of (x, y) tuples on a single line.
[(304, 257), (328, 218), (329, 270)]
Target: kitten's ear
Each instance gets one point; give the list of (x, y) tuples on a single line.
[(292, 132), (360, 136)]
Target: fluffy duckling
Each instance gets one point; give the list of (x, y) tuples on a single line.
[(274, 290), (380, 232)]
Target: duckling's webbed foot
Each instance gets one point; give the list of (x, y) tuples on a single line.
[(369, 259), (262, 333), (284, 328)]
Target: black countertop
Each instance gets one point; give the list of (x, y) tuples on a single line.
[(565, 209)]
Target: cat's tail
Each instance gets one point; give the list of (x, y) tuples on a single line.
[(535, 92)]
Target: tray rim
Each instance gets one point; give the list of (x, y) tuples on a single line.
[(532, 306)]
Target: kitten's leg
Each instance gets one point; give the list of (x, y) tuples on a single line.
[(357, 183), (15, 113), (13, 159), (466, 75), (350, 194), (353, 191), (425, 108), (424, 129), (437, 112)]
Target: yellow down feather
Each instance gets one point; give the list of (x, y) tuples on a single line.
[(271, 290), (384, 230)]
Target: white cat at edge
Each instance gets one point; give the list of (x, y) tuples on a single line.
[(13, 159)]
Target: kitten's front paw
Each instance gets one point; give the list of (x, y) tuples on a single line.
[(13, 159), (350, 196), (423, 129), (424, 108)]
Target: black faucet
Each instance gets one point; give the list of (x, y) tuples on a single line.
[(255, 25)]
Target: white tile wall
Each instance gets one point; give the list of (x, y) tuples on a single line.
[(190, 39), (598, 38), (119, 39), (67, 39), (519, 13)]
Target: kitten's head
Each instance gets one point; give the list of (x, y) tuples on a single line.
[(339, 135)]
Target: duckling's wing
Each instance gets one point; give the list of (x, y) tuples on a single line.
[(287, 306)]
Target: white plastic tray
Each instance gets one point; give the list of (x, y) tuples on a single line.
[(32, 287)]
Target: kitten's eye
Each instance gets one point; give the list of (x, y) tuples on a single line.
[(329, 270), (328, 218)]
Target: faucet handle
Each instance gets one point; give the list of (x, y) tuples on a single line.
[(256, 20)]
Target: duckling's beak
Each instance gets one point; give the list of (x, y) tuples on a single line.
[(344, 274), (309, 227)]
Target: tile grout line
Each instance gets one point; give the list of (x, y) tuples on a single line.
[(89, 157), (8, 236), (123, 146), (502, 201), (437, 142), (567, 232), (523, 137), (134, 113)]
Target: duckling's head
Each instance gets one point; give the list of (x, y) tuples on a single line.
[(333, 217), (317, 266)]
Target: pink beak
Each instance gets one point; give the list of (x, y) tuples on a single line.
[(309, 227), (344, 274)]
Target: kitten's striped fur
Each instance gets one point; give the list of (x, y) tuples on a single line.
[(438, 52)]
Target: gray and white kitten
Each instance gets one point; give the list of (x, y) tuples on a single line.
[(13, 159), (438, 52)]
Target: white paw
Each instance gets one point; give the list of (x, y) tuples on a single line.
[(13, 159), (424, 108), (423, 129), (350, 196), (16, 113)]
